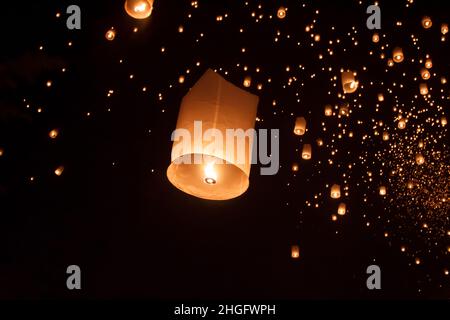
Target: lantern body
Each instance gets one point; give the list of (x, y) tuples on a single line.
[(385, 136), (390, 62), (281, 13), (139, 9), (300, 126), (295, 167), (444, 28), (335, 191), (428, 63), (423, 89), (215, 171), (401, 124), (349, 84), (110, 34), (443, 121), (380, 97), (397, 55), (328, 110), (420, 159), (426, 22), (295, 252), (306, 151), (382, 191), (375, 38), (341, 209), (425, 74), (247, 81)]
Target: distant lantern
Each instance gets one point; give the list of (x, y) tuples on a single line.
[(343, 110), (401, 124), (443, 80), (317, 38), (382, 191), (397, 55), (210, 112), (333, 217), (306, 151), (385, 136), (281, 13), (1, 152), (444, 28), (319, 142), (110, 34), (139, 9), (410, 184), (181, 79), (247, 81), (428, 63), (341, 209), (295, 167), (300, 126), (328, 110), (349, 84), (335, 192), (420, 144), (375, 38), (426, 22), (390, 63), (423, 89), (420, 159), (59, 170), (295, 252), (443, 121), (425, 74), (380, 97), (53, 133)]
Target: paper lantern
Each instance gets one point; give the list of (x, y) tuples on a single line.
[(333, 217), (423, 89), (295, 252), (181, 79), (281, 13), (295, 167), (110, 34), (300, 126), (443, 80), (59, 171), (380, 97), (382, 190), (343, 110), (410, 184), (426, 22), (341, 209), (428, 63), (375, 38), (306, 151), (444, 28), (139, 9), (390, 63), (349, 84), (401, 124), (420, 144), (425, 74), (319, 142), (1, 152), (443, 121), (397, 55), (247, 81), (328, 110), (335, 192), (385, 136), (218, 172), (420, 159), (53, 133)]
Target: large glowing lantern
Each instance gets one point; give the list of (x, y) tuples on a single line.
[(300, 126), (342, 209), (335, 192), (423, 89), (139, 9), (306, 151), (295, 252), (213, 110), (349, 84), (382, 191)]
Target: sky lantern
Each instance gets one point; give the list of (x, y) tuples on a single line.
[(420, 159), (382, 190), (428, 63), (385, 136), (281, 13), (425, 74), (335, 192), (397, 55), (110, 34), (200, 166), (306, 151), (342, 209), (295, 252), (300, 126), (59, 171), (328, 110), (423, 89), (349, 83), (443, 121), (390, 62), (401, 123), (295, 167), (426, 22), (380, 97), (139, 9), (247, 81), (375, 38), (53, 133), (444, 28)]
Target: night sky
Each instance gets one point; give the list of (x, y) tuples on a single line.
[(114, 104)]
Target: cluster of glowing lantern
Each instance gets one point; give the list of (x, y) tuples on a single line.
[(306, 151), (423, 89), (300, 126), (444, 28), (420, 159), (426, 22), (139, 9), (397, 55), (382, 191), (443, 121), (59, 171), (328, 110), (335, 192), (425, 74), (380, 97), (385, 136), (428, 63), (349, 83), (295, 167), (247, 81), (53, 133), (215, 173), (375, 38), (341, 209), (281, 13), (295, 252), (110, 34)]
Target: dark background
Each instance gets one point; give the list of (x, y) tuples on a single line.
[(132, 233)]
